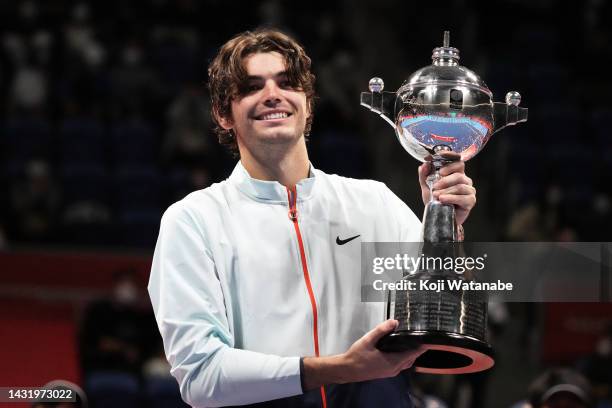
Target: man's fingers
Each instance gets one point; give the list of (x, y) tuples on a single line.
[(424, 170), (450, 155), (454, 167), (402, 357), (467, 202), (380, 331), (407, 358), (459, 189), (451, 180), (415, 353)]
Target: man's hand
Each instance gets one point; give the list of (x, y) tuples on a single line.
[(453, 188), (363, 361)]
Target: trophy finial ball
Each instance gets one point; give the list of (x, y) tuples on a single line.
[(376, 84), (513, 98)]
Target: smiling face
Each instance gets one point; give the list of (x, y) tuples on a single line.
[(270, 109)]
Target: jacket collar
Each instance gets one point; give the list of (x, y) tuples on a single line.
[(270, 191)]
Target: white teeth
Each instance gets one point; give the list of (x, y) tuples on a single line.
[(278, 115)]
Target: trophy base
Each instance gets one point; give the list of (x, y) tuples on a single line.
[(447, 353)]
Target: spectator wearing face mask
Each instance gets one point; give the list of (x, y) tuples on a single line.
[(115, 333), (597, 367)]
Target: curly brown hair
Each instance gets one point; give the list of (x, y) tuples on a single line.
[(227, 76)]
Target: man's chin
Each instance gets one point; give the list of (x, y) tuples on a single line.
[(280, 136)]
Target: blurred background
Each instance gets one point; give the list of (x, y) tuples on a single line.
[(104, 122)]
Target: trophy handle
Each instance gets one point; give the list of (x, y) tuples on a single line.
[(509, 113), (379, 101), (382, 103)]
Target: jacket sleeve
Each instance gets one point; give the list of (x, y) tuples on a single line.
[(190, 311)]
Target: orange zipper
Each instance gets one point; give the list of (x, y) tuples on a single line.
[(293, 216)]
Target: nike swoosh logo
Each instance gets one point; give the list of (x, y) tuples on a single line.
[(344, 241)]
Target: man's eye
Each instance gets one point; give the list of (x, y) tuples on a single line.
[(252, 88), (286, 84)]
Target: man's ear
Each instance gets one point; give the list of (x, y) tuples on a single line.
[(224, 122)]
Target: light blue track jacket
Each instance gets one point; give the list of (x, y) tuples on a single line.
[(248, 276)]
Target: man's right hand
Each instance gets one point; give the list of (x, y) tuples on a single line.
[(361, 362)]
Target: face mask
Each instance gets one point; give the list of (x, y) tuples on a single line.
[(604, 347), (126, 293)]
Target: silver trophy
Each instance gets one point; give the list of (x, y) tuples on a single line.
[(443, 107)]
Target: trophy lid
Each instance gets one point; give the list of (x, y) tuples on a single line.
[(445, 70), (445, 55)]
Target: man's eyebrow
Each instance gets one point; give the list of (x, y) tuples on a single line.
[(258, 77)]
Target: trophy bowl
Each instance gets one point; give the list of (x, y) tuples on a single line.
[(443, 104), (443, 107)]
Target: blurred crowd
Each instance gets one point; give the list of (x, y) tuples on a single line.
[(104, 110), (105, 115)]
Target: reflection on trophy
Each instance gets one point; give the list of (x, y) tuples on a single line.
[(441, 108)]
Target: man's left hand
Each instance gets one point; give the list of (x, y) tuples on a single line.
[(454, 187)]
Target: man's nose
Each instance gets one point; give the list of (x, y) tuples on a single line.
[(271, 93)]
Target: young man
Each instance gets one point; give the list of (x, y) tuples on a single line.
[(256, 281)]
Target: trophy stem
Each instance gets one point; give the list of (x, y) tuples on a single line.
[(439, 219), (431, 180)]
